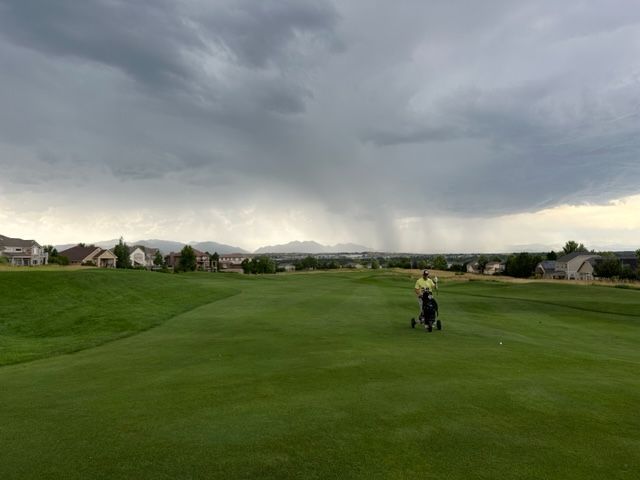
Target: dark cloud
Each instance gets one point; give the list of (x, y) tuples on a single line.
[(372, 111), (163, 44), (142, 39), (270, 32)]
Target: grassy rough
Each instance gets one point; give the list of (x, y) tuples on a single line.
[(320, 376)]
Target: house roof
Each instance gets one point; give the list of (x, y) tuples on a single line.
[(572, 255), (104, 251), (625, 255), (16, 255), (548, 265), (589, 261), (78, 253), (196, 252), (16, 242)]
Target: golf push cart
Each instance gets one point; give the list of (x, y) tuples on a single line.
[(429, 314)]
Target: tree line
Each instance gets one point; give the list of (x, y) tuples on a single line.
[(519, 265)]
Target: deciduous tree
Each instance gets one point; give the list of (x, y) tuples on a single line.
[(261, 264), (609, 266), (573, 246), (522, 265), (440, 263)]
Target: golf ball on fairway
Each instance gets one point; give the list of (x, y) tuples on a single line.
[(500, 343)]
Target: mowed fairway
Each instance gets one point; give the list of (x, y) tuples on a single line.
[(316, 376)]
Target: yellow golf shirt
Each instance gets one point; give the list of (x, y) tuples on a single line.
[(423, 284)]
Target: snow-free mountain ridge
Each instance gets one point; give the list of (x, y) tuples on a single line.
[(167, 246), (313, 247)]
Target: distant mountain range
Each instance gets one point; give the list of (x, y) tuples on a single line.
[(313, 247), (167, 246)]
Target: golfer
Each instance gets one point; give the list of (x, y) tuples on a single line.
[(422, 284)]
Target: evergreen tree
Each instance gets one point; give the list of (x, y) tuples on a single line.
[(214, 259), (121, 251), (482, 263), (158, 260), (187, 259)]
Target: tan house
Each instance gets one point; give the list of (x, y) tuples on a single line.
[(585, 271), (22, 252), (572, 266), (91, 255)]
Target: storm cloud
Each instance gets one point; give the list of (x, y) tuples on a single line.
[(361, 114)]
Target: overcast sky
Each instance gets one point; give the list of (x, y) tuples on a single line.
[(424, 126)]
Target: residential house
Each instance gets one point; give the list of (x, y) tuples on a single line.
[(22, 252), (203, 262), (571, 266), (495, 268), (547, 269), (473, 267), (150, 256), (628, 259), (137, 257), (232, 262), (585, 271), (491, 268), (91, 255), (141, 256)]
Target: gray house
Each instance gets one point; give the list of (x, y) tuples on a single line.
[(547, 269), (628, 259), (22, 252)]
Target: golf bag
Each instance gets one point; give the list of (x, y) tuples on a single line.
[(429, 314)]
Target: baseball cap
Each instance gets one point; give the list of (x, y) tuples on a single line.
[(425, 272)]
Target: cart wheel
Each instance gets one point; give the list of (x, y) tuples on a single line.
[(413, 323), (438, 324)]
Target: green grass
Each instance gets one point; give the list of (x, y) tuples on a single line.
[(45, 313), (318, 376)]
